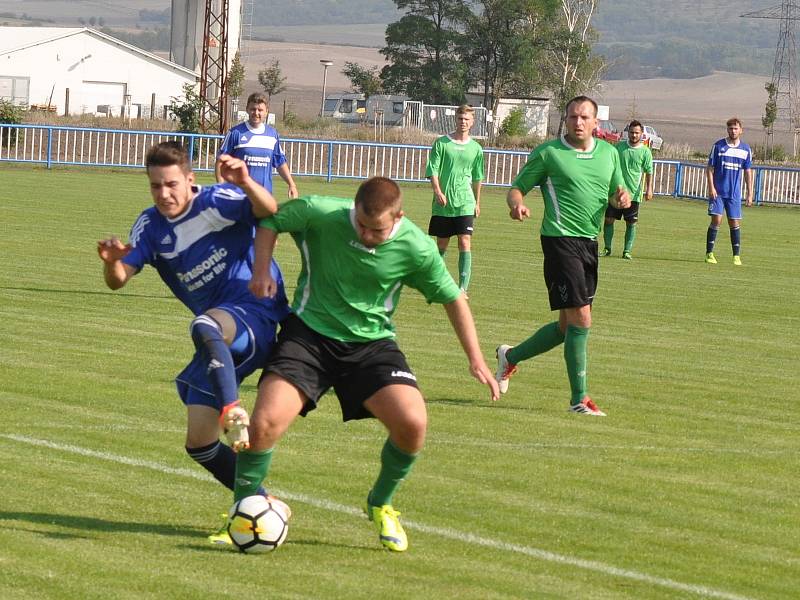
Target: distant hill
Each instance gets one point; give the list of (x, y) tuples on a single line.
[(323, 12)]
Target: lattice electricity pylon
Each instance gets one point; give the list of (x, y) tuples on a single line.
[(784, 70), (214, 67)]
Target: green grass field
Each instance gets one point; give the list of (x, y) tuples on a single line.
[(688, 489)]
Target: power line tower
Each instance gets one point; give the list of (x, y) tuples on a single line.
[(214, 67), (784, 70)]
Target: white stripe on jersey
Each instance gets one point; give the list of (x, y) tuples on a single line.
[(258, 141), (554, 197), (137, 229), (307, 289), (735, 153), (203, 223), (389, 304)]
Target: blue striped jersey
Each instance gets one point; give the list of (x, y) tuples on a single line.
[(259, 147), (728, 163)]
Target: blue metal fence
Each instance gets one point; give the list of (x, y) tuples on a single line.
[(336, 159)]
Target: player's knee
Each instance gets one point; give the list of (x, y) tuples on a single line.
[(409, 433), (204, 330)]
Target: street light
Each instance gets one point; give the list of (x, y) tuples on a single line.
[(325, 63)]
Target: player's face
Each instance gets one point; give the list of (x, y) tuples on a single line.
[(464, 122), (634, 135), (734, 131), (171, 189), (257, 113), (581, 122), (375, 229)]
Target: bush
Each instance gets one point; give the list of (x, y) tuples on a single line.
[(514, 124), (776, 153), (9, 113)]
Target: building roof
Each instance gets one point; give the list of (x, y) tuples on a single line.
[(15, 39)]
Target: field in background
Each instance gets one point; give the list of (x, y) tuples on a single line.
[(688, 489)]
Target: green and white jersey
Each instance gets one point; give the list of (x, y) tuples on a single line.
[(349, 292), (575, 185), (634, 161), (457, 165)]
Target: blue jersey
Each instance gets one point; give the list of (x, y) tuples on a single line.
[(728, 163), (205, 256), (259, 148)]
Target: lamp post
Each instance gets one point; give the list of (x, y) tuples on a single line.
[(325, 63)]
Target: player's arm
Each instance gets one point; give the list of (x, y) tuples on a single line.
[(712, 191), (438, 194), (648, 186), (286, 175), (748, 180), (217, 171), (461, 319), (516, 204), (115, 272), (476, 190), (262, 285), (234, 170)]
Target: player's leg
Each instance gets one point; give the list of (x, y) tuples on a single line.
[(401, 409), (715, 208), (733, 208), (464, 259), (631, 224), (608, 229), (441, 245)]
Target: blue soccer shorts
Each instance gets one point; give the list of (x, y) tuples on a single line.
[(255, 335), (733, 208)]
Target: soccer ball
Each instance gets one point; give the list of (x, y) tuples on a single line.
[(256, 525)]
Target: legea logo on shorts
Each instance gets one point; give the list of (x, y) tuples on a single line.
[(404, 374)]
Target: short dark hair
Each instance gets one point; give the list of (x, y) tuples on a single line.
[(379, 194), (635, 123), (581, 100), (257, 98), (734, 121), (465, 109), (167, 154)]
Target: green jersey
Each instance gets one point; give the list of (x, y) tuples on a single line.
[(457, 165), (634, 161), (345, 290), (575, 185)]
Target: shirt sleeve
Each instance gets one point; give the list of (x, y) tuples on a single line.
[(532, 173), (712, 155), (292, 216), (647, 167), (434, 160), (278, 157), (431, 278), (141, 253), (617, 179), (226, 147), (748, 162), (232, 203), (477, 167)]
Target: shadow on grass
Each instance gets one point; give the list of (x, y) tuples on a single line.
[(85, 293), (480, 403), (89, 524)]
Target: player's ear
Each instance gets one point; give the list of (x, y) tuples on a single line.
[(399, 215), (190, 177)]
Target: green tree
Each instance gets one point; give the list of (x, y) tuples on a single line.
[(363, 80), (236, 77), (271, 79), (422, 51), (187, 109), (10, 113), (769, 118)]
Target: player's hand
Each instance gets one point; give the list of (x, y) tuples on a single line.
[(293, 193), (233, 170), (477, 210), (622, 198), (712, 194), (112, 249), (648, 196), (441, 199), (748, 201), (482, 373), (263, 286), (234, 421), (520, 212)]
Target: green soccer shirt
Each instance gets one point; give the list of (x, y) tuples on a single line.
[(457, 165), (349, 292), (575, 185), (634, 161)]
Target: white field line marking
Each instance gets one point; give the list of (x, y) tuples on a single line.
[(452, 534)]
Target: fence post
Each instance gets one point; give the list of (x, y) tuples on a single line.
[(49, 147), (678, 180), (757, 184), (329, 177), (191, 150)]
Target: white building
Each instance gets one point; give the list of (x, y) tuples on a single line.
[(81, 70)]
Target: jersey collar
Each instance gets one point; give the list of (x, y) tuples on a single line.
[(260, 129), (393, 233), (571, 147)]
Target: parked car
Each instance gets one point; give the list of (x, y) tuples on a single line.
[(606, 130), (650, 137)]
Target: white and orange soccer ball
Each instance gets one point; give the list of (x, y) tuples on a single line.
[(256, 524)]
